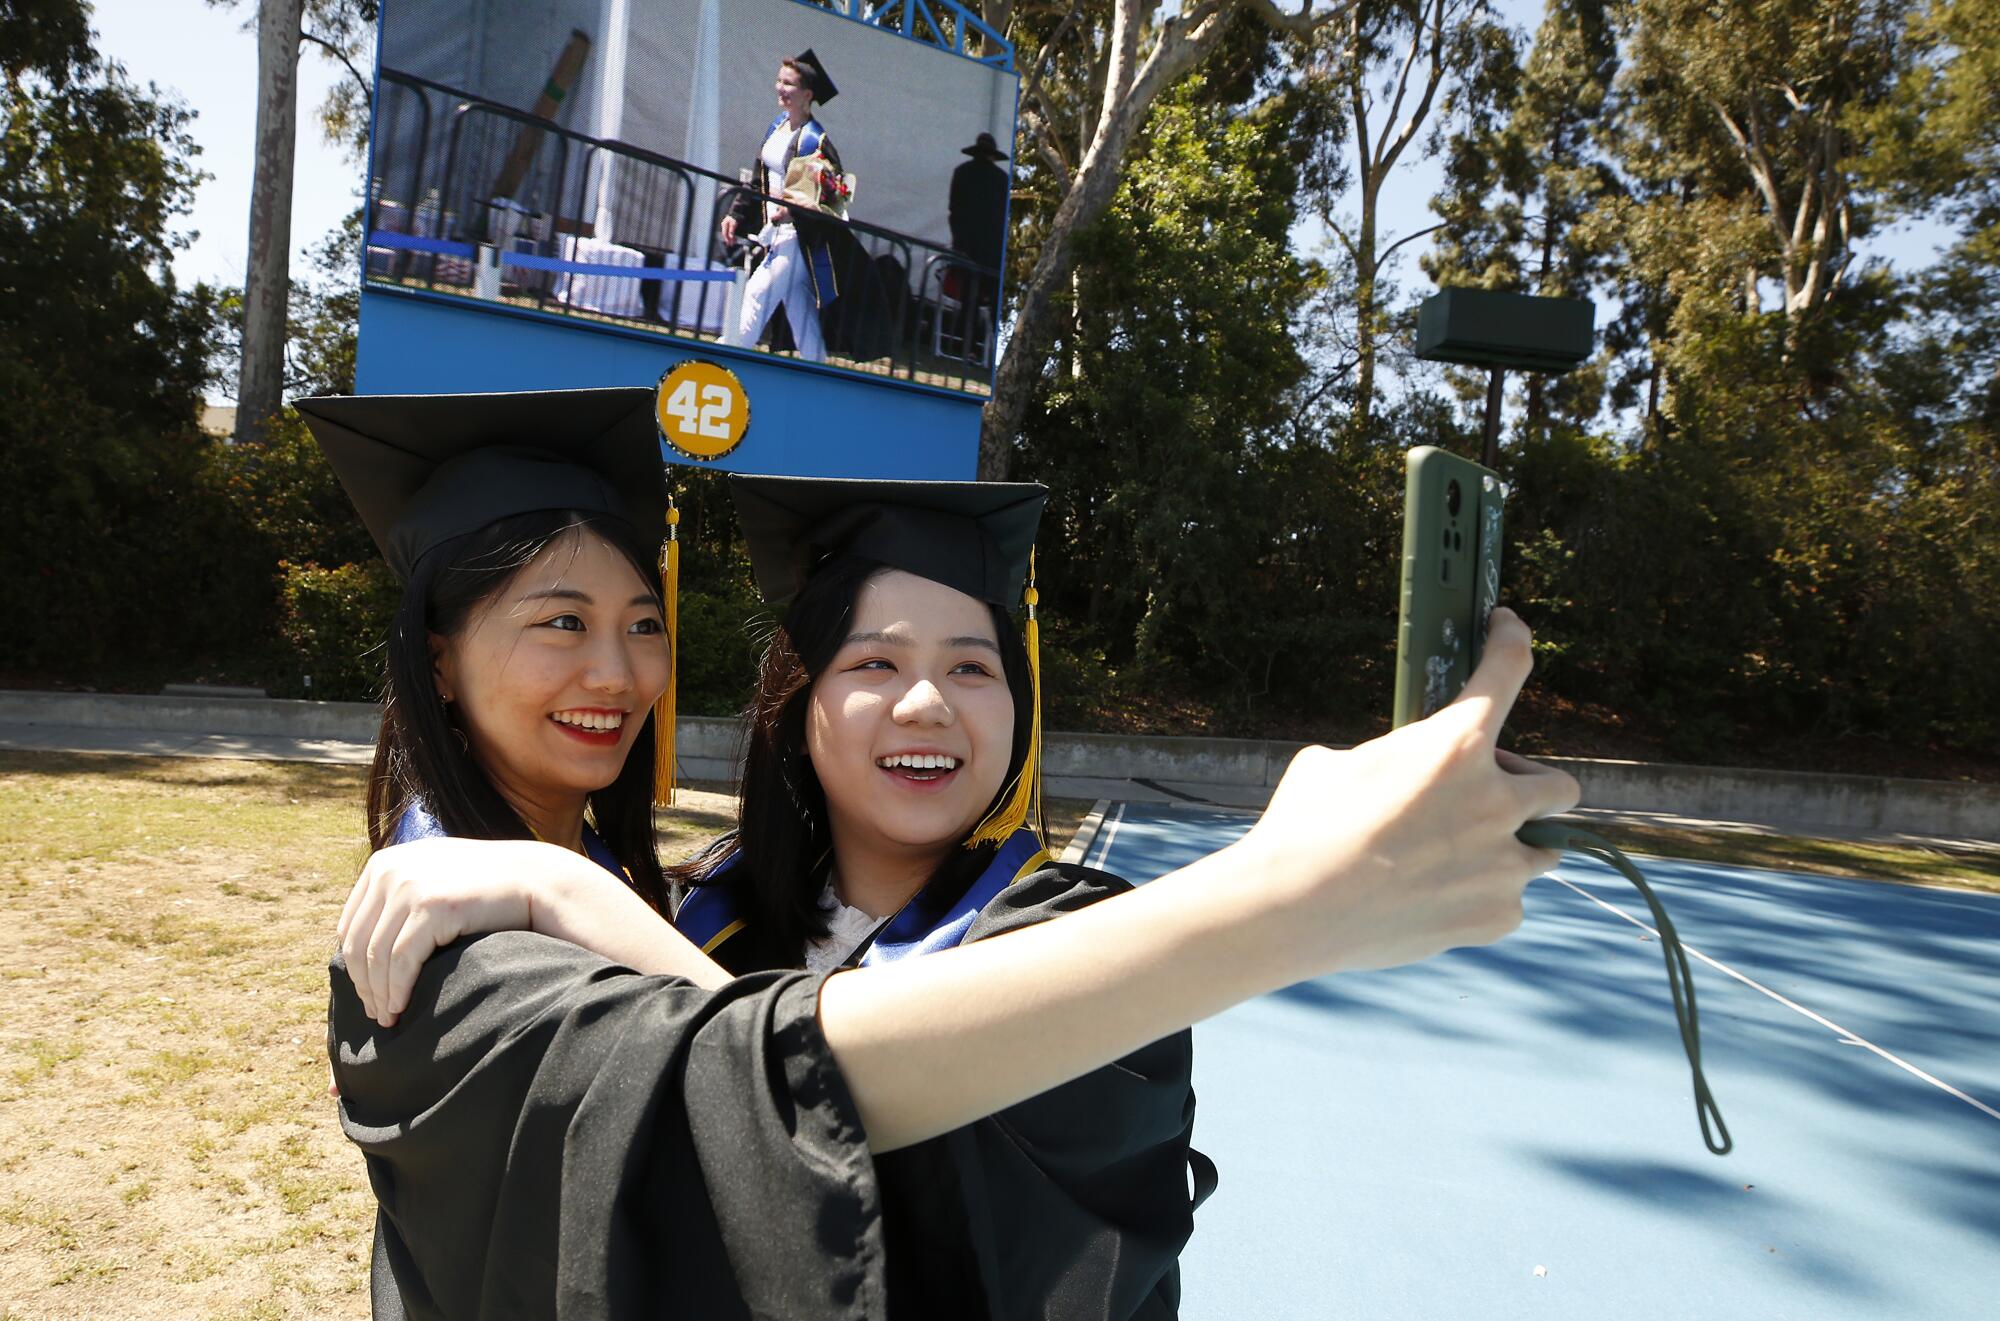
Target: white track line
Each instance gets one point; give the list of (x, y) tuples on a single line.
[(1101, 846), (1847, 1037)]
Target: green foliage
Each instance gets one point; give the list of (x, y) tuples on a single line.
[(289, 493), (1220, 549), (721, 637), (335, 621), (112, 520), (322, 317)]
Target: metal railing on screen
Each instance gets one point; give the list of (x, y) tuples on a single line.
[(478, 199)]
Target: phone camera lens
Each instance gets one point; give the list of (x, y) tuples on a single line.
[(1452, 497)]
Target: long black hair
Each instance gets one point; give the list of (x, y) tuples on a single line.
[(783, 834), (422, 757)]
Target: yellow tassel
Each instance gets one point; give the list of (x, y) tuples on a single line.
[(663, 710), (1023, 800)]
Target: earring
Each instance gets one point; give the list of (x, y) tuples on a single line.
[(464, 743)]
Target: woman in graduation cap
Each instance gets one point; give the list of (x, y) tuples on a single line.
[(550, 1132), (890, 807), (796, 269)]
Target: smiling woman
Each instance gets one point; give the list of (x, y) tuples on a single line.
[(910, 730), (889, 810), (551, 677), (531, 644), (892, 745)]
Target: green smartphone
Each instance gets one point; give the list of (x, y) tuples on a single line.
[(1451, 576)]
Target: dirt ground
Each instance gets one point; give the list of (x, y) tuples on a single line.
[(167, 1146)]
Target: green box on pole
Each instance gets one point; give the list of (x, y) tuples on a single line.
[(1519, 332)]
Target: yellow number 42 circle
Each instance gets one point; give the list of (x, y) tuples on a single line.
[(702, 409)]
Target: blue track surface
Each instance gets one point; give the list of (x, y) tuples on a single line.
[(1416, 1143)]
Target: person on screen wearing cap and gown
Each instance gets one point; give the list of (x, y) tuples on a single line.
[(796, 270), (553, 1132)]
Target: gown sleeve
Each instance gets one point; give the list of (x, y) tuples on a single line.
[(551, 1135), (1076, 1202)]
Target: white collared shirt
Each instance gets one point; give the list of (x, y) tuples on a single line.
[(846, 928)]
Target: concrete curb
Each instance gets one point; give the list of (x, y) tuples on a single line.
[(1230, 772), (1079, 844)]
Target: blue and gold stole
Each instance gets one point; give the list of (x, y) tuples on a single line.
[(713, 911)]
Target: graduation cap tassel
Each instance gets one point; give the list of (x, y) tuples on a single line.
[(1024, 799), (663, 710), (1031, 770)]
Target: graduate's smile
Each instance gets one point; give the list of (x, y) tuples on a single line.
[(911, 726), (923, 770), (597, 727)]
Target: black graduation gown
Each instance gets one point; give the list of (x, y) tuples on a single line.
[(550, 1135), (1074, 1203)]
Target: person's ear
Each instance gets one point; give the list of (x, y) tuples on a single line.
[(442, 668)]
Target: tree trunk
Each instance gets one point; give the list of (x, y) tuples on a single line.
[(1034, 319), (1538, 408), (1089, 196), (1366, 310), (1376, 154), (267, 272)]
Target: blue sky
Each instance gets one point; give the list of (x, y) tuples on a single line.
[(208, 58)]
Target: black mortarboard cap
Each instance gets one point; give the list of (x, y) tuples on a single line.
[(423, 469), (972, 536), (822, 86)]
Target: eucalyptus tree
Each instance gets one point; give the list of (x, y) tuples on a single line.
[(1383, 73), (341, 29), (1526, 172), (1157, 436), (1094, 69), (1760, 101)]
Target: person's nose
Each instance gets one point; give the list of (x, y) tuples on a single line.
[(609, 669), (923, 703)]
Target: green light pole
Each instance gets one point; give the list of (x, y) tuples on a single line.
[(1480, 328)]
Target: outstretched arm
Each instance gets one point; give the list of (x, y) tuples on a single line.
[(1382, 855)]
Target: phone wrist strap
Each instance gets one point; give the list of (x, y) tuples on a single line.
[(1680, 979)]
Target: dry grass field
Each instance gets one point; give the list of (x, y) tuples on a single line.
[(167, 1146)]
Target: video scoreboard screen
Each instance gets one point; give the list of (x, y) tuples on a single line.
[(803, 203)]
